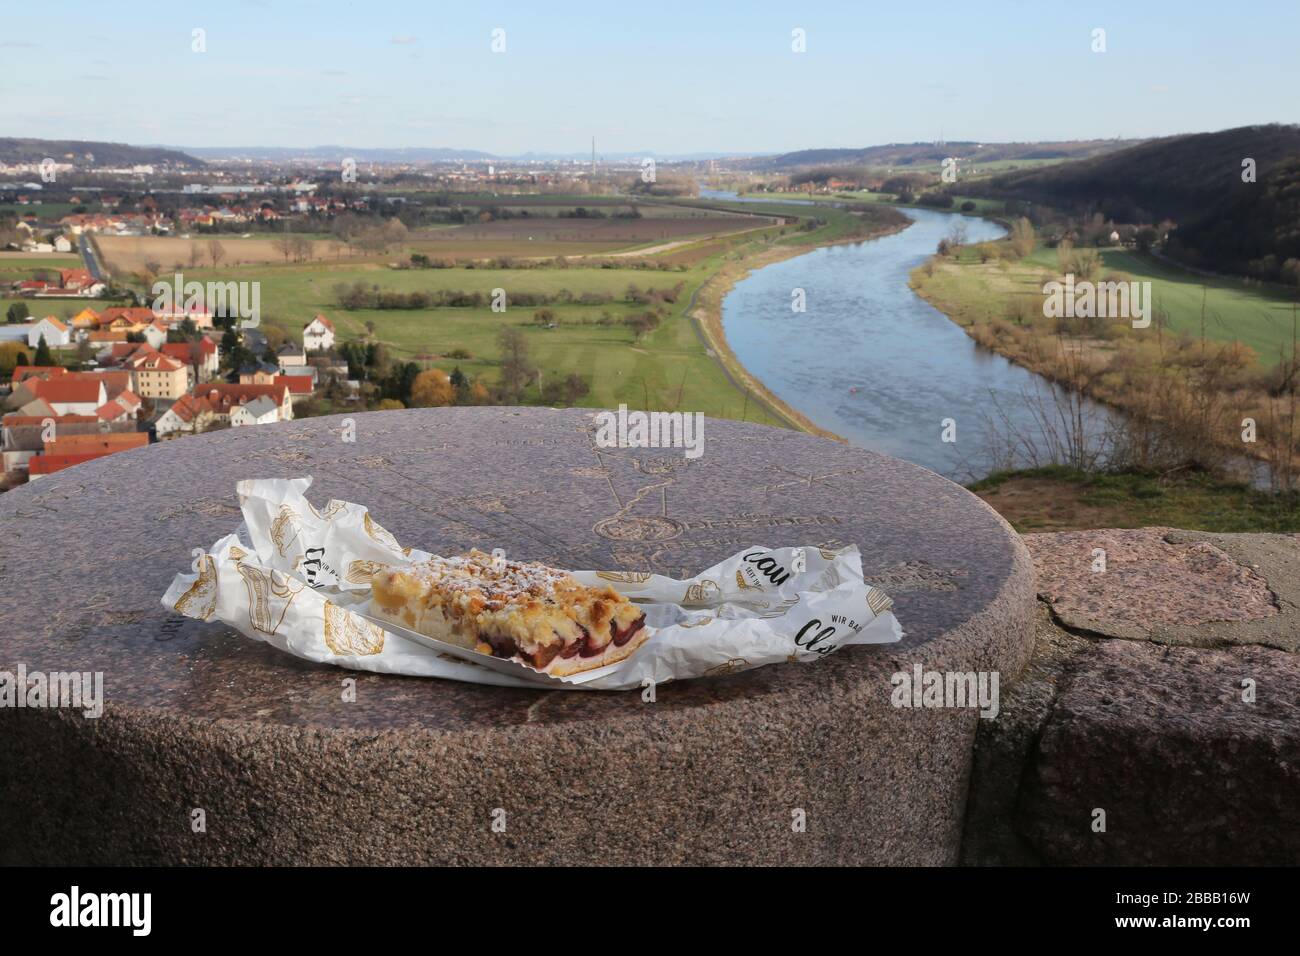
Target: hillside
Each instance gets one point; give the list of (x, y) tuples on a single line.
[(88, 155), (1170, 178), (1253, 231), (282, 154), (924, 154)]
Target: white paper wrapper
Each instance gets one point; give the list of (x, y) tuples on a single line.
[(298, 578)]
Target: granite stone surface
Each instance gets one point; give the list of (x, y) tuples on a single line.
[(1133, 582), (1192, 754), (200, 717)]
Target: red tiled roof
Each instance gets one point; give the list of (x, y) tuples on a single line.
[(188, 407), (136, 314), (156, 362), (298, 384), (73, 278), (322, 320), (49, 464), (22, 371), (14, 420), (104, 441), (115, 382), (66, 389)]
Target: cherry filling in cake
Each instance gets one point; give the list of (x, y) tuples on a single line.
[(529, 611)]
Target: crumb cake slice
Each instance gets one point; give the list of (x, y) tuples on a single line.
[(527, 611)]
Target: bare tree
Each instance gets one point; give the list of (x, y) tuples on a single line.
[(216, 252)]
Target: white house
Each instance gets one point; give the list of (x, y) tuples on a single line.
[(262, 410), (155, 333), (61, 244), (56, 334), (318, 334)]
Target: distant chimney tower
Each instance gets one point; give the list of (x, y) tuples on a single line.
[(593, 156)]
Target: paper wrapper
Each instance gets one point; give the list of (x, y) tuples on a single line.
[(299, 579)]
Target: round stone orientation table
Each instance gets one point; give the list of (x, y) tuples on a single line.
[(216, 749)]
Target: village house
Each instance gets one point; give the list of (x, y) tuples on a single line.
[(23, 436), (262, 373), (291, 355), (318, 334), (155, 375), (56, 334), (202, 354), (300, 386), (67, 394), (189, 414), (225, 397), (260, 411)]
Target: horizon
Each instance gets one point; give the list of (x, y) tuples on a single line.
[(315, 74)]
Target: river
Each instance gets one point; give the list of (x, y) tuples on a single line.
[(876, 364)]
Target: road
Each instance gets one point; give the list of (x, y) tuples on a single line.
[(90, 259)]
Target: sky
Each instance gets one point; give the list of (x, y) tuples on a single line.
[(659, 77)]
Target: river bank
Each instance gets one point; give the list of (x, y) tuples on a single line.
[(706, 307), (1195, 387)]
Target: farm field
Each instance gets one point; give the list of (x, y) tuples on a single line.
[(668, 367), (23, 265), (541, 237)]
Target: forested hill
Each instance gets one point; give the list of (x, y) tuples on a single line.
[(913, 154), (1176, 177), (87, 155), (1254, 231)]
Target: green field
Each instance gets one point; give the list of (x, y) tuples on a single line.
[(1257, 316), (668, 368), (983, 207), (13, 269)]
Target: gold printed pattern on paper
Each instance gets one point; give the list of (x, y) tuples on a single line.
[(332, 510), (624, 577), (285, 529), (360, 570), (269, 595), (726, 668), (702, 592), (878, 600), (201, 598), (378, 533), (349, 635), (699, 623), (745, 585), (781, 609)]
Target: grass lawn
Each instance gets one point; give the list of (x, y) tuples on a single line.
[(669, 368), (1235, 311), (13, 268), (1062, 499)]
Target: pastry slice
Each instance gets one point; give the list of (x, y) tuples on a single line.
[(533, 613)]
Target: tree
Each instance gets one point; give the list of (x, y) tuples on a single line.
[(283, 244), (216, 252), (641, 323), (432, 389), (18, 312), (516, 370), (1022, 237), (43, 355)]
